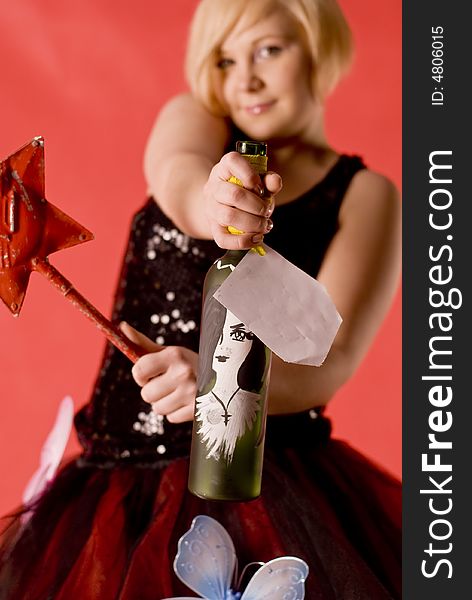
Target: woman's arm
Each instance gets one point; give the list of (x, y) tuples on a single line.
[(360, 272), (187, 175), (184, 144)]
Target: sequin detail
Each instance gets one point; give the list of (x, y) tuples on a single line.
[(149, 423), (172, 236)]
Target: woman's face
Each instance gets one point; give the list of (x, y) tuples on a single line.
[(266, 82), (233, 345)]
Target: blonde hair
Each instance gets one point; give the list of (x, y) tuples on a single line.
[(327, 38)]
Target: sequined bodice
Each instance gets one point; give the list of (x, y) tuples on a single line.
[(160, 293)]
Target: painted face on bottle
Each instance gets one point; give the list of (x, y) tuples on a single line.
[(266, 78), (226, 412), (233, 345)]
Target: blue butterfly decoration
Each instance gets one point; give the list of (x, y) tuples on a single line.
[(206, 563)]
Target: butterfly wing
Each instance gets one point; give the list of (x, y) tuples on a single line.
[(279, 579), (52, 451), (206, 559)]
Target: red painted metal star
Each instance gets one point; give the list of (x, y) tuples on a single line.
[(30, 229)]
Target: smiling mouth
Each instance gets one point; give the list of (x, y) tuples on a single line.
[(257, 109), (221, 358)]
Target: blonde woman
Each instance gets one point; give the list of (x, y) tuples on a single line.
[(109, 524)]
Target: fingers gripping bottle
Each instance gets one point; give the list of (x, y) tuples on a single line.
[(233, 377)]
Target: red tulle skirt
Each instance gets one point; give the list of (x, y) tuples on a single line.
[(112, 533)]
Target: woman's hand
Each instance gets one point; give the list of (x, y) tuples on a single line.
[(166, 375), (247, 208)]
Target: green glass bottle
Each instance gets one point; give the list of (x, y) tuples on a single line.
[(233, 376)]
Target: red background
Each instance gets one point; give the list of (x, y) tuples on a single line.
[(90, 77)]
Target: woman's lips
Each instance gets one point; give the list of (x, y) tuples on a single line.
[(221, 358), (261, 107)]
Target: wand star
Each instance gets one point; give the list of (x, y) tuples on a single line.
[(30, 227)]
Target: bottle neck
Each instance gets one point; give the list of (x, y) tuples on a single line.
[(256, 155), (233, 256)]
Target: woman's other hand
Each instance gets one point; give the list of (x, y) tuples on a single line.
[(247, 209), (166, 375)]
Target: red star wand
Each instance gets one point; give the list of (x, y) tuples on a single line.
[(30, 229)]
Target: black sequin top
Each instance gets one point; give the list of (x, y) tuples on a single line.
[(160, 294)]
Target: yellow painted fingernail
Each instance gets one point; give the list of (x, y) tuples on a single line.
[(235, 180)]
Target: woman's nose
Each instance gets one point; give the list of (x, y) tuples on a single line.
[(248, 78)]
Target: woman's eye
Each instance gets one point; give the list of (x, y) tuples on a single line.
[(238, 336), (267, 51), (224, 63)]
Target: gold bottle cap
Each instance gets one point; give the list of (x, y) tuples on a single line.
[(255, 153)]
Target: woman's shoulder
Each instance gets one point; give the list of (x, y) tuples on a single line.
[(184, 109), (367, 179), (185, 125), (184, 101), (371, 195)]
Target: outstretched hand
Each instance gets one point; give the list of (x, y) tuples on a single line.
[(166, 375), (247, 208)]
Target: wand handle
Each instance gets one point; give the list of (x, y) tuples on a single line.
[(65, 287)]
